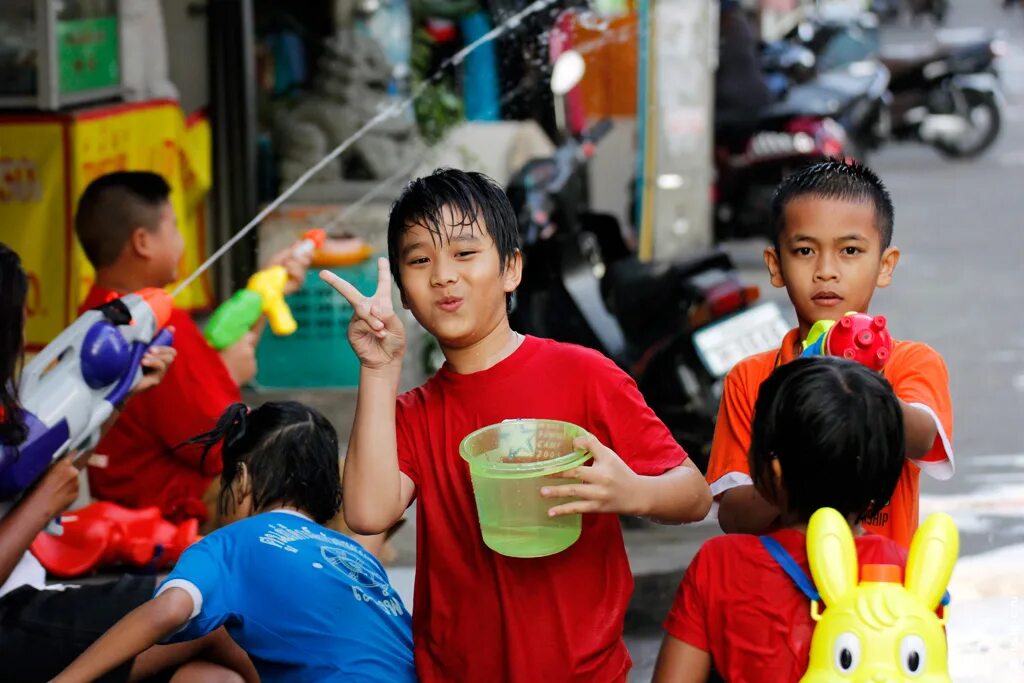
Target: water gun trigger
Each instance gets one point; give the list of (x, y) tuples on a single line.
[(269, 283), (263, 295)]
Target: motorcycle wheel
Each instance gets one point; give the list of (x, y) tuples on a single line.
[(984, 106)]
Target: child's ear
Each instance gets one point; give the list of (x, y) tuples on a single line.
[(513, 274), (244, 481), (932, 556), (141, 242), (832, 555), (890, 257), (774, 264)]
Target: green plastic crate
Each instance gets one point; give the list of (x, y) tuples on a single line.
[(318, 354)]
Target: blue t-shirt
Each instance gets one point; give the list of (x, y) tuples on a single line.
[(306, 603)]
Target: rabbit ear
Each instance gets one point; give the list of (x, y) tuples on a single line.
[(932, 556), (832, 555)]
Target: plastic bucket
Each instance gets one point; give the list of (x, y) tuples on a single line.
[(509, 462)]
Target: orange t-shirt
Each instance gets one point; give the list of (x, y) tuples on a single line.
[(919, 377)]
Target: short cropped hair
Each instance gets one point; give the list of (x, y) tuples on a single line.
[(112, 207), (835, 179)]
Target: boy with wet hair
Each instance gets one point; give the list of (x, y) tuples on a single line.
[(478, 615), (833, 224)]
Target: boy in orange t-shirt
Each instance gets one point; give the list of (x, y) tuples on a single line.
[(833, 226)]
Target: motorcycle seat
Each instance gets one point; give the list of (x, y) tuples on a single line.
[(647, 297), (900, 67)]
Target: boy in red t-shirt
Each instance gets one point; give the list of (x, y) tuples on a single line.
[(833, 225), (827, 432), (478, 615), (127, 228)]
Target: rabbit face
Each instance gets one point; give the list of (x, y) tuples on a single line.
[(880, 634), (880, 630)]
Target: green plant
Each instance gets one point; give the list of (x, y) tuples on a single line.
[(439, 107)]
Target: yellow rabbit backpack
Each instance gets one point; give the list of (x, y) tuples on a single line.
[(883, 629)]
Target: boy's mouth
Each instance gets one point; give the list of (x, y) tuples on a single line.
[(827, 298), (450, 304)]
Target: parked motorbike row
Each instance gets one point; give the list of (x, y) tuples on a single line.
[(839, 94)]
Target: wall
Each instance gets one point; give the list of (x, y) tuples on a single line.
[(187, 53)]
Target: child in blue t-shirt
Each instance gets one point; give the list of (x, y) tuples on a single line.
[(305, 602)]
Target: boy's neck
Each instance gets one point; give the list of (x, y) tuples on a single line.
[(485, 353), (121, 280)]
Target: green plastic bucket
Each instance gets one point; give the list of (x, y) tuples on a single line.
[(509, 462)]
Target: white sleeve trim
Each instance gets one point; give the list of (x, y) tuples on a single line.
[(188, 587), (727, 481), (941, 469), (730, 480)]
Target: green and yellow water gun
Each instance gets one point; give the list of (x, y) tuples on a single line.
[(263, 295)]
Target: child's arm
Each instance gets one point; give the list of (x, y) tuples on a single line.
[(56, 490), (375, 491), (919, 430), (609, 485), (144, 626), (680, 662)]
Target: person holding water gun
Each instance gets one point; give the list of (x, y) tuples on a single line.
[(826, 433), (127, 228), (833, 226), (46, 627)]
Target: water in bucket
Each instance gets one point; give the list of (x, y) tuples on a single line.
[(509, 463)]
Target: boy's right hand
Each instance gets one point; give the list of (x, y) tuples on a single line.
[(376, 333), (240, 358)]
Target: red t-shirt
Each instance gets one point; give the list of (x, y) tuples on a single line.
[(736, 603), (917, 375), (143, 468), (481, 616)]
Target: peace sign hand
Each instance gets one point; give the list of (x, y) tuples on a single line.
[(375, 332)]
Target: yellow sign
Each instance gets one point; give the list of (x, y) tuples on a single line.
[(33, 218), (46, 162)]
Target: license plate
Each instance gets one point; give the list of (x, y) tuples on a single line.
[(723, 344)]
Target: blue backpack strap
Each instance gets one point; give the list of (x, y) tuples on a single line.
[(799, 576), (790, 566)]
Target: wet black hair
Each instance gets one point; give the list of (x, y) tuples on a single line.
[(290, 452), (112, 207), (476, 198), (836, 428), (838, 180), (13, 290)]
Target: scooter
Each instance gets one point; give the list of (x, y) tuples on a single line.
[(946, 94), (676, 327), (853, 93)]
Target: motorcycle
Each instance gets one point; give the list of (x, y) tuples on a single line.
[(855, 94), (676, 327), (947, 94), (842, 113)]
